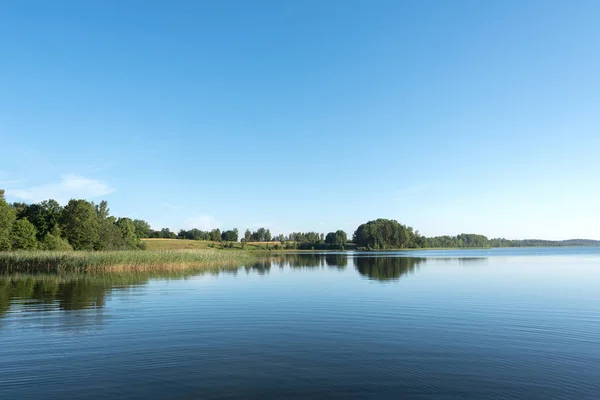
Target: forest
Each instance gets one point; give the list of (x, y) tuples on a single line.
[(84, 225), (79, 225)]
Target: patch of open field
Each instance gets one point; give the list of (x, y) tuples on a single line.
[(185, 244), (176, 244)]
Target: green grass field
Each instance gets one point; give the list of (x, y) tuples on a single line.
[(184, 244), (176, 244)]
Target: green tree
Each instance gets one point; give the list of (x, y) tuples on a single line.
[(24, 235), (53, 213), (337, 238), (80, 224), (260, 235), (54, 242), (7, 219), (192, 234), (45, 216), (340, 237), (127, 228), (166, 233), (19, 207), (110, 236), (142, 228), (215, 235), (384, 234), (330, 238), (102, 210), (230, 236), (36, 214)]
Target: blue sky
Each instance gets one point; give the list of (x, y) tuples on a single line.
[(462, 116)]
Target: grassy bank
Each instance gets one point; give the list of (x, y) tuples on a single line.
[(119, 261), (185, 244), (178, 244)]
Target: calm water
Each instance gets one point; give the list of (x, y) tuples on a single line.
[(434, 324)]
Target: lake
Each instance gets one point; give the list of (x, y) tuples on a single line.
[(457, 324)]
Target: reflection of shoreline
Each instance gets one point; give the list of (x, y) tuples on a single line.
[(82, 291), (310, 260), (460, 260), (77, 291)]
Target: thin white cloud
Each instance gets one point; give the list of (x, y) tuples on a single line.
[(70, 187), (202, 222)]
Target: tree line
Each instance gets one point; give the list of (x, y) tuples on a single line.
[(79, 225), (84, 225), (381, 234), (214, 235)]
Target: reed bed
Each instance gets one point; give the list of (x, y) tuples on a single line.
[(120, 261)]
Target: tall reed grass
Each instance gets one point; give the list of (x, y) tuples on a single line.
[(119, 261)]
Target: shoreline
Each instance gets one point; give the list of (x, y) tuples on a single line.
[(120, 261), (165, 261)]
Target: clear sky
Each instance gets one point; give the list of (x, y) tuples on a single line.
[(449, 116)]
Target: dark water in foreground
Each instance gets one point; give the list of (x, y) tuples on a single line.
[(452, 325)]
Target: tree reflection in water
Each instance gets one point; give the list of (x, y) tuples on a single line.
[(386, 268), (75, 291), (310, 260)]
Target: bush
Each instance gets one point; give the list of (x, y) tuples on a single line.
[(7, 219), (53, 242), (24, 235)]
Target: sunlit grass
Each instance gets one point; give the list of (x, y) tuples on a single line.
[(186, 244), (119, 261)]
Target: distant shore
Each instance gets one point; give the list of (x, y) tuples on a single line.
[(172, 255), (186, 244)]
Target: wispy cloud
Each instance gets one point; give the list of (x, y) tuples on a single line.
[(69, 187), (202, 222)]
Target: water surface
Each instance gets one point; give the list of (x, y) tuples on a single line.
[(494, 324)]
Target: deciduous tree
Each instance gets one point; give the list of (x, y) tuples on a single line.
[(23, 235), (7, 218), (80, 224)]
